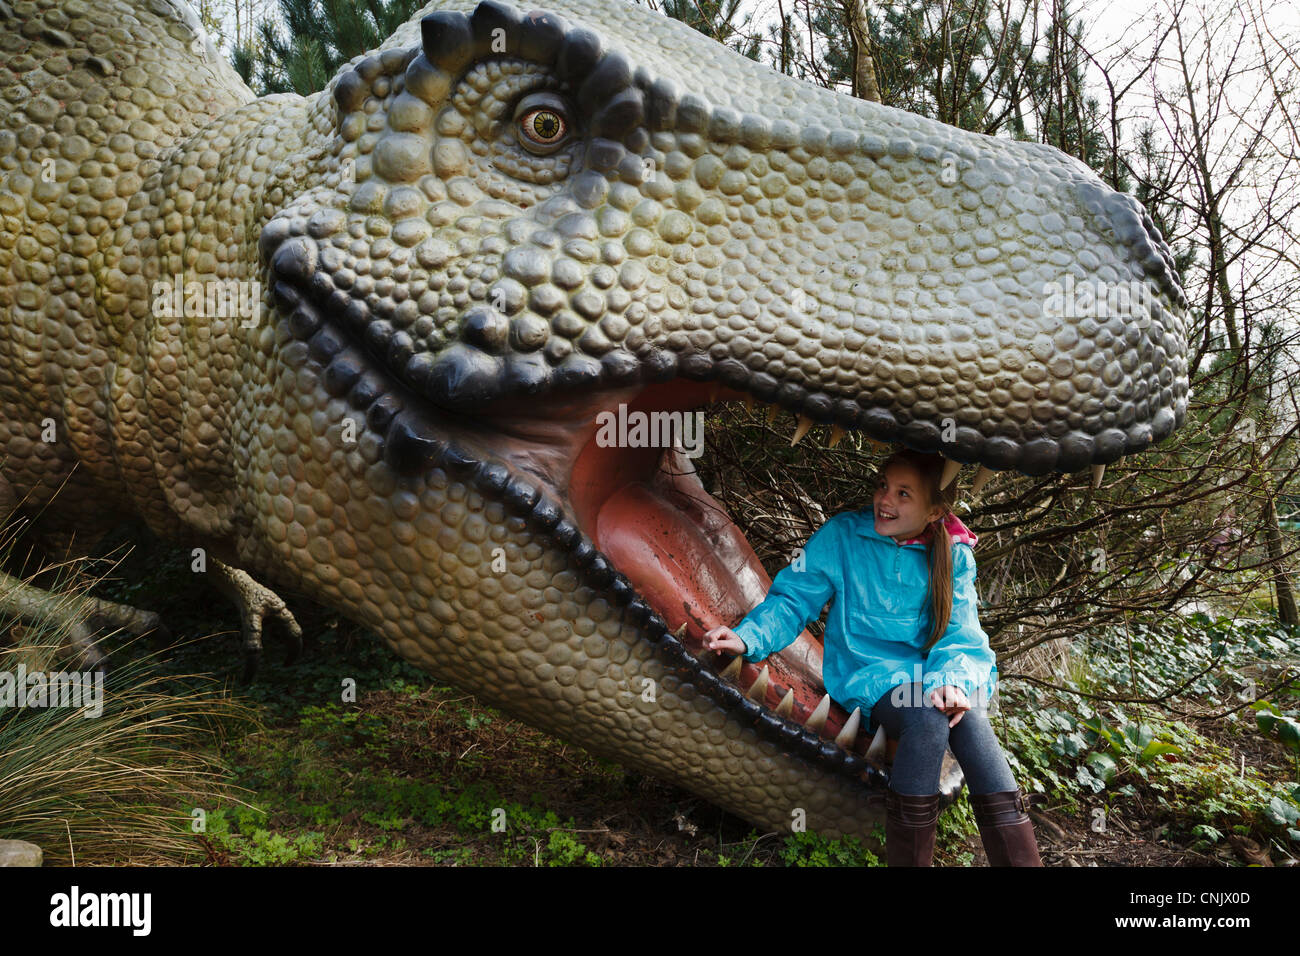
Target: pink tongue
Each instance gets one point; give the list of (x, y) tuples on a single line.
[(682, 552)]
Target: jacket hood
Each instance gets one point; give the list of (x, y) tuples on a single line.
[(956, 529)]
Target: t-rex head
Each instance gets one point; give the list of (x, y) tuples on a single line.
[(503, 224)]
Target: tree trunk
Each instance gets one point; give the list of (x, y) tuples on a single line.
[(865, 86), (1286, 607)]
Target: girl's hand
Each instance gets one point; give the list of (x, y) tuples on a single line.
[(950, 700), (723, 638)]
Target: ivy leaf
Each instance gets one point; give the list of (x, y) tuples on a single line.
[(1288, 731), (1139, 734), (1158, 747), (1103, 765)]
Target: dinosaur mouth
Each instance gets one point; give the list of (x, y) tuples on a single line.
[(635, 491), (636, 522)]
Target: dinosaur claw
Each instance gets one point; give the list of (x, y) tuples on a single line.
[(252, 661), (294, 651)]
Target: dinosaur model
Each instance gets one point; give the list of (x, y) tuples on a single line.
[(359, 343)]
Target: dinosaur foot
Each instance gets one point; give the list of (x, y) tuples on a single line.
[(79, 620), (255, 602)]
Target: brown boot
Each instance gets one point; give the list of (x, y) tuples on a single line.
[(1005, 828), (910, 822)]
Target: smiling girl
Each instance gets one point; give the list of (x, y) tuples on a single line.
[(903, 643)]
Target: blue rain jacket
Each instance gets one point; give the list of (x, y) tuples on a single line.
[(880, 618)]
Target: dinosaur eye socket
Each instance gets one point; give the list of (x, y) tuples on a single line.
[(540, 123)]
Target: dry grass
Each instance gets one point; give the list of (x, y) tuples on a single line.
[(118, 787)]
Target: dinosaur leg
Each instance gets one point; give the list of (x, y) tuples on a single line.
[(29, 603), (255, 602), (78, 615)]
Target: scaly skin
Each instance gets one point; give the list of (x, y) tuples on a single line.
[(446, 305)]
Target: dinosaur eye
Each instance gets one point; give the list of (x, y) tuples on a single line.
[(541, 124)]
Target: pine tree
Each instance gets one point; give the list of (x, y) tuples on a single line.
[(322, 36), (716, 19)]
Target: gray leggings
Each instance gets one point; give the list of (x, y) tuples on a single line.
[(922, 734)]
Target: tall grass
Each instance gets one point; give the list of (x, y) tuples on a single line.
[(120, 787)]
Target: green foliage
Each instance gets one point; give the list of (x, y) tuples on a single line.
[(1269, 718), (239, 832), (322, 36), (1082, 752), (813, 849), (716, 19)]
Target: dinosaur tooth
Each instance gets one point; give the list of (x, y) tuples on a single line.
[(849, 734), (732, 670), (786, 707), (817, 720), (879, 743), (1097, 472), (367, 390), (772, 412), (286, 296), (758, 689), (749, 404), (982, 475), (801, 429), (410, 447), (950, 469), (836, 434), (304, 321)]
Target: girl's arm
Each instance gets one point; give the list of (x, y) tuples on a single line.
[(962, 656), (798, 593)]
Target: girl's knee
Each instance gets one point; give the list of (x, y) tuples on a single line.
[(925, 721)]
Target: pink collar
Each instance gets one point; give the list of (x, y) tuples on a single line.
[(957, 531)]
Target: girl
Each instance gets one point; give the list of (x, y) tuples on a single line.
[(921, 668)]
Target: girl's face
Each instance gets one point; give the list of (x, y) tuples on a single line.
[(900, 505)]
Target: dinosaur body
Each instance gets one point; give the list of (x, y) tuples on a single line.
[(470, 245)]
